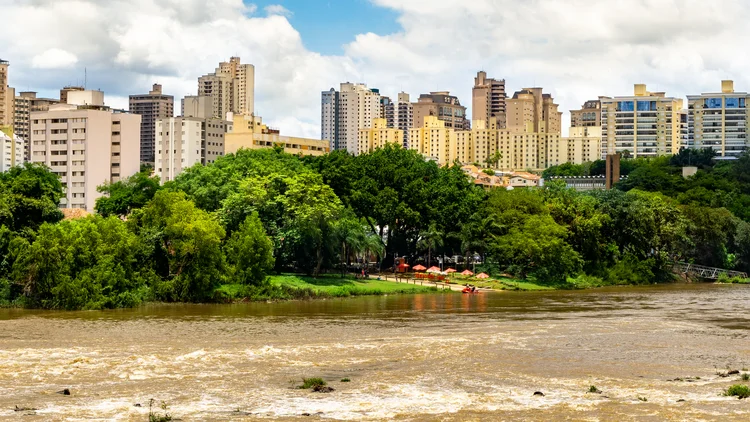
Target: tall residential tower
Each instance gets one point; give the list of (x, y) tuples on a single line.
[(231, 88), (488, 99), (345, 112), (719, 121), (151, 107)]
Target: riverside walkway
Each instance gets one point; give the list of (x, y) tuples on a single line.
[(710, 273)]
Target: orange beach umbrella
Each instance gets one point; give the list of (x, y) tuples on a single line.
[(482, 275), (433, 269), (419, 268), (467, 272)]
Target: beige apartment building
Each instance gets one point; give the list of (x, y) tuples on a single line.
[(231, 88), (65, 90), (25, 103), (442, 105), (378, 136), (532, 106), (488, 99), (590, 114), (718, 121), (87, 147), (182, 142), (6, 96), (151, 107), (345, 112), (646, 124), (249, 132)]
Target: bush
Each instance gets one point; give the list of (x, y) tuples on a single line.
[(312, 383), (738, 390), (726, 279)]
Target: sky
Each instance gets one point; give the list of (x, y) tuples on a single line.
[(575, 49)]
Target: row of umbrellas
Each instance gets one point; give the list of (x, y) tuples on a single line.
[(448, 271)]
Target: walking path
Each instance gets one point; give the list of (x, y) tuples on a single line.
[(425, 282)]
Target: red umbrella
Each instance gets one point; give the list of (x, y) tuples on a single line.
[(450, 270), (467, 272), (419, 268), (433, 269), (482, 275)]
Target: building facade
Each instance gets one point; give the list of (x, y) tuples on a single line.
[(378, 136), (249, 132), (6, 115), (590, 114), (345, 112), (182, 142), (719, 121), (25, 103), (86, 147), (488, 99), (11, 149), (442, 105), (646, 124), (151, 107), (231, 88), (533, 106)]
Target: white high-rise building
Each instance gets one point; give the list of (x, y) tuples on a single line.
[(719, 121), (11, 150), (87, 147), (182, 142), (646, 124), (345, 112), (231, 88)]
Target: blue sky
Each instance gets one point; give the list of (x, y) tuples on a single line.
[(326, 25)]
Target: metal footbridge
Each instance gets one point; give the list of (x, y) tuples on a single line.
[(710, 273)]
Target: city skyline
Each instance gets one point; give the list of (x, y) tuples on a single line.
[(575, 50)]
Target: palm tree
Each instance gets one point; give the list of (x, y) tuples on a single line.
[(430, 239), (493, 159), (373, 244)]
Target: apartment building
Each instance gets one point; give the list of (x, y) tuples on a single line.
[(151, 107), (719, 121), (182, 142), (488, 99), (533, 106), (65, 90), (6, 96), (25, 103), (442, 105), (378, 136), (87, 147), (590, 114), (231, 88), (11, 149), (433, 140), (345, 112), (249, 132), (646, 124)]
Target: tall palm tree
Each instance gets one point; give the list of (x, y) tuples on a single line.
[(430, 239)]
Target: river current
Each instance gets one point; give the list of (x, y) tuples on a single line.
[(654, 353)]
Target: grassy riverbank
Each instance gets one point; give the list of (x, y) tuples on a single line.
[(290, 286)]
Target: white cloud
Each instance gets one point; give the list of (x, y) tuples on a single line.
[(277, 9), (54, 58), (575, 49)]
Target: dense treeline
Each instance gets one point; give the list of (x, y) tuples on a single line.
[(257, 212)]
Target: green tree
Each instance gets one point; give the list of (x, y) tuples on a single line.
[(430, 239), (185, 246), (122, 197), (494, 158), (29, 197), (249, 252), (91, 263)]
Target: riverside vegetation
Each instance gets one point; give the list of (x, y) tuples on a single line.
[(227, 230)]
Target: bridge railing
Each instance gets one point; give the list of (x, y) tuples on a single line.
[(706, 272)]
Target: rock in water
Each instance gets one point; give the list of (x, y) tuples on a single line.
[(24, 409), (322, 389), (538, 393), (65, 392)]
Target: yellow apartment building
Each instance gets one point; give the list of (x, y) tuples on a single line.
[(378, 136), (250, 132)]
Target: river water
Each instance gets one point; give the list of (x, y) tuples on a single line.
[(447, 357)]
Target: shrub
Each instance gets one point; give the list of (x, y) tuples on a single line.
[(312, 383), (738, 390)]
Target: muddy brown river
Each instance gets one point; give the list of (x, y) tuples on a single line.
[(653, 352)]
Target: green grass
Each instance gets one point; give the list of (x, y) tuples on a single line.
[(312, 382), (738, 390), (336, 286), (289, 287)]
